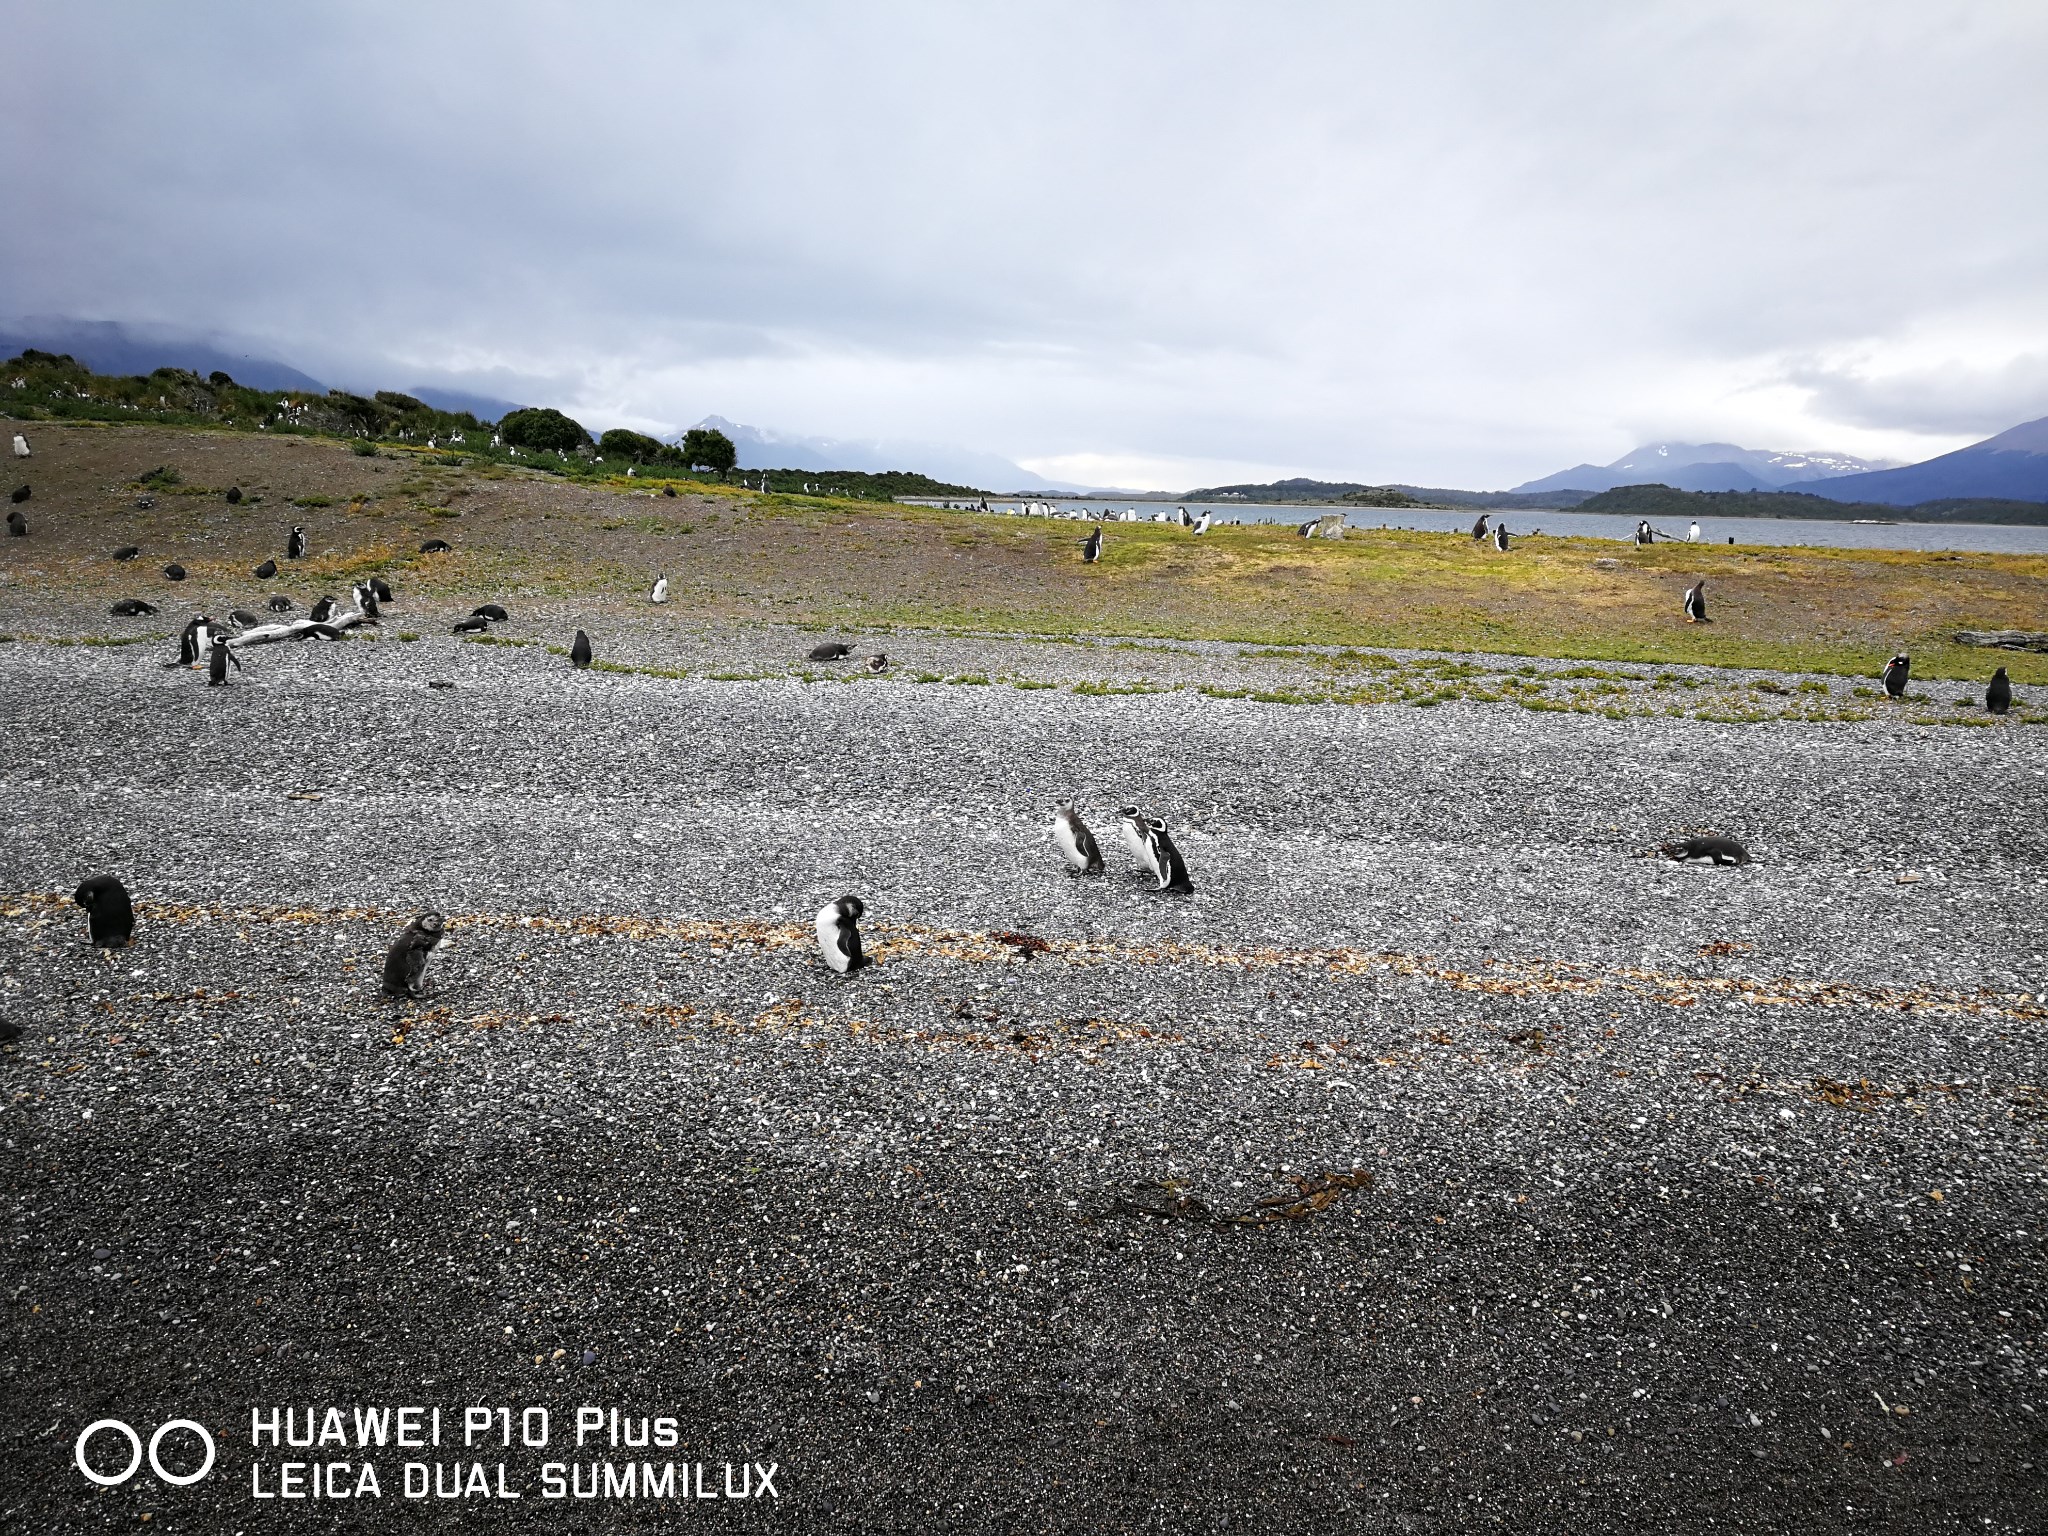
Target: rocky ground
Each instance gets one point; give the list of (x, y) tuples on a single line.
[(1439, 1164)]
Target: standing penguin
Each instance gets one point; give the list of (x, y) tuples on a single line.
[(579, 653), (323, 610), (295, 543), (658, 593), (109, 915), (1500, 537), (1897, 673), (1154, 846), (192, 641), (1091, 547), (1076, 843), (234, 497), (1696, 603), (406, 961), (1998, 697), (381, 587), (17, 525), (218, 655), (839, 934), (20, 446), (1479, 529), (1201, 524), (366, 599)]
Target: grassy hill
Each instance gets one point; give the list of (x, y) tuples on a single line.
[(1662, 501)]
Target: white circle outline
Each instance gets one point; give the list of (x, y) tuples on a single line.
[(86, 1434), (165, 1428)]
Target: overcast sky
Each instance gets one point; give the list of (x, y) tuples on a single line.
[(1138, 244)]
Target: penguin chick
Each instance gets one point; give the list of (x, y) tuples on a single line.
[(839, 934), (406, 961), (109, 915), (1998, 697), (1898, 672), (1154, 846), (1077, 844), (1722, 850), (831, 650)]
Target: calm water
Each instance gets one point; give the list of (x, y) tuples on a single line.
[(1993, 537)]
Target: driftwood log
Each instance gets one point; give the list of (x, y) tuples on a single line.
[(2004, 639)]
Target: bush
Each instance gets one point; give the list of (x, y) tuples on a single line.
[(712, 449), (363, 450), (621, 444), (544, 428), (398, 402)]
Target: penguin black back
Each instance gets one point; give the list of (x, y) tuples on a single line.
[(174, 572), (492, 611), (1898, 673), (435, 547), (579, 652), (131, 608), (127, 552), (1722, 850), (265, 571), (831, 650), (17, 525), (406, 961), (279, 603), (1091, 547), (109, 915), (1998, 697), (19, 495), (234, 495)]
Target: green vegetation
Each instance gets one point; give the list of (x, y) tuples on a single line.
[(712, 449), (637, 446), (545, 428), (1655, 501)]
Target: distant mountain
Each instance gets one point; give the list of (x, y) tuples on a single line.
[(1663, 501), (109, 347), (2010, 466), (1309, 492), (1704, 467), (761, 448), (482, 407)]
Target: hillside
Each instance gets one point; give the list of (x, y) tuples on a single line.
[(2012, 465), (1666, 501), (1352, 493), (1704, 467)]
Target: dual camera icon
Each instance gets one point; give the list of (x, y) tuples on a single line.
[(175, 1479)]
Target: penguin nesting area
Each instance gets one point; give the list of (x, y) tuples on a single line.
[(1439, 1163)]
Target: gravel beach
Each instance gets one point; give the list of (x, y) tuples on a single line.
[(1442, 1163)]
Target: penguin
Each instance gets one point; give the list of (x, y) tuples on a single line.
[(17, 525), (579, 652), (109, 914), (1692, 535), (1998, 697), (1154, 846), (218, 655), (491, 611), (475, 624), (668, 490), (658, 593), (878, 663), (381, 587), (242, 618), (1091, 547), (435, 547), (1479, 529), (366, 599), (831, 650), (234, 495), (127, 552), (1500, 537), (279, 603), (192, 641), (1201, 524), (1307, 530), (18, 495), (1897, 673), (1696, 603), (1722, 850), (144, 503), (406, 961), (839, 934), (131, 608), (1185, 520), (174, 572), (20, 446), (295, 543), (1077, 844), (322, 611), (265, 571)]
